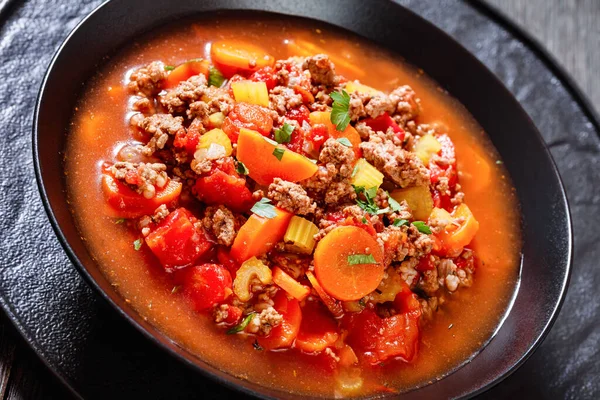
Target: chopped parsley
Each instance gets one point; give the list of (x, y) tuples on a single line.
[(499, 162), (362, 302), (355, 259), (400, 222), (277, 152), (264, 208), (120, 221), (368, 204), (394, 205), (169, 67), (215, 77), (241, 168), (364, 220), (175, 289), (242, 325), (137, 244), (422, 227), (355, 170), (284, 134), (344, 141), (340, 115)]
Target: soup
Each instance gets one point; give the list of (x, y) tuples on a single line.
[(294, 205)]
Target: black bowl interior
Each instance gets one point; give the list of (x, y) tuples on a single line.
[(547, 235)]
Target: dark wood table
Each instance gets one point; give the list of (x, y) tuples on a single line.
[(568, 28)]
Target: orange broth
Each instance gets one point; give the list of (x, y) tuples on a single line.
[(461, 326)]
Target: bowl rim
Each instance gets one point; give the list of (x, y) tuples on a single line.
[(230, 382)]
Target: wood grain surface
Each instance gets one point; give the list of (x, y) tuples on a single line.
[(569, 29)]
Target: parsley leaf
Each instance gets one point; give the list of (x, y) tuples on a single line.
[(120, 221), (422, 227), (371, 192), (364, 220), (169, 67), (242, 325), (368, 205), (361, 259), (394, 205), (400, 222), (277, 152), (175, 289), (215, 77), (264, 208), (340, 115), (241, 168), (284, 134), (137, 244), (344, 141)]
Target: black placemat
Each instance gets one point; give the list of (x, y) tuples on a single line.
[(101, 356)]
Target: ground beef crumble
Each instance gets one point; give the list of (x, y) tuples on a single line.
[(144, 178), (291, 197), (322, 70), (222, 223), (177, 100), (160, 127), (147, 80)]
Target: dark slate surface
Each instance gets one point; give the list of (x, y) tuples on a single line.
[(75, 332)]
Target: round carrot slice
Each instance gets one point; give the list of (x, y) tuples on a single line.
[(231, 56), (348, 263)]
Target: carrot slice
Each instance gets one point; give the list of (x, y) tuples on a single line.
[(318, 329), (232, 56), (284, 334), (125, 202), (336, 269), (324, 118), (334, 306), (267, 161), (454, 241), (290, 285), (259, 235), (186, 70)]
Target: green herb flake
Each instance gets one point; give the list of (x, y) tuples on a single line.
[(362, 302), (278, 153), (215, 77), (120, 221), (257, 346), (284, 134), (340, 115), (241, 168), (242, 325), (422, 227), (364, 220), (169, 67), (400, 222), (137, 244), (355, 259), (499, 162), (344, 141), (354, 171), (264, 208), (394, 205), (368, 205), (175, 289)]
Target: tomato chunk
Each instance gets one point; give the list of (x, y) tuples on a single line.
[(207, 285), (284, 334), (249, 116), (318, 329), (125, 202), (176, 242), (224, 186), (383, 123), (266, 75)]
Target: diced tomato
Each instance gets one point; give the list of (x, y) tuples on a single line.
[(227, 260), (307, 96), (465, 263), (247, 116), (284, 334), (300, 114), (188, 140), (450, 171), (223, 185), (266, 75), (207, 285), (383, 123), (425, 264), (341, 220), (318, 329), (234, 314), (176, 242)]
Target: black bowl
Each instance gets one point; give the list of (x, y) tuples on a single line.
[(547, 238)]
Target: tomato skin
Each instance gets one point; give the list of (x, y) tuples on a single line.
[(188, 140), (425, 264), (249, 116), (176, 242), (223, 185), (318, 329), (383, 123), (437, 171), (266, 75), (300, 114), (225, 258), (233, 316), (284, 334), (207, 285)]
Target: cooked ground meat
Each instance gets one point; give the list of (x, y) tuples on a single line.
[(407, 104), (282, 99), (160, 126), (291, 196), (147, 80), (322, 70), (177, 100), (400, 166), (222, 223), (262, 323), (404, 241), (144, 178)]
